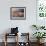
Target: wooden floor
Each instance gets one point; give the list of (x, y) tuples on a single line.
[(13, 44)]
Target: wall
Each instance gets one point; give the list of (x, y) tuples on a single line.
[(24, 25)]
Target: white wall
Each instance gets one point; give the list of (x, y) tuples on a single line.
[(24, 25)]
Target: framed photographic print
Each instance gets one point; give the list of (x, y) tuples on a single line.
[(18, 13)]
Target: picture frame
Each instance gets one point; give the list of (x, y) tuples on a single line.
[(41, 12), (41, 9), (18, 13)]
